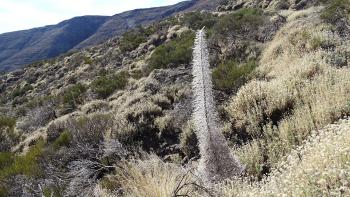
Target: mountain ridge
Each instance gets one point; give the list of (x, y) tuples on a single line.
[(27, 46)]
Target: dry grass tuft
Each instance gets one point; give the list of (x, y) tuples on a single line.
[(301, 87), (153, 177), (320, 167)]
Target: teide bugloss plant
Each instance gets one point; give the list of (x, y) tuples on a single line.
[(217, 162)]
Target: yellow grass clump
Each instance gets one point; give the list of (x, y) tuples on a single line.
[(302, 85), (153, 177), (320, 167)]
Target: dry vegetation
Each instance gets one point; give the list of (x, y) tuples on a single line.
[(298, 90), (301, 86), (319, 167), (284, 101)]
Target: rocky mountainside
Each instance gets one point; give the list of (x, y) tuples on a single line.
[(115, 119), (24, 47)]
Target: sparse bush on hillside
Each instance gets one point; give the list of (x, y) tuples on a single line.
[(36, 118), (335, 10), (105, 85), (320, 167), (153, 177), (7, 123), (3, 191), (51, 192), (173, 53), (95, 106), (252, 157), (188, 141), (243, 22), (132, 39), (136, 126), (299, 92), (22, 164), (89, 129), (197, 20), (8, 137), (88, 60), (72, 96), (231, 75), (20, 91), (308, 41), (63, 140)]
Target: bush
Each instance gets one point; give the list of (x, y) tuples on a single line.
[(7, 135), (22, 164), (188, 141), (88, 60), (335, 10), (153, 177), (36, 118), (197, 20), (6, 159), (51, 192), (87, 130), (63, 140), (3, 191), (21, 91), (132, 39), (177, 51), (244, 21), (105, 85), (72, 96), (7, 123), (231, 75)]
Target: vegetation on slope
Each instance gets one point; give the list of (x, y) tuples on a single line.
[(106, 84), (281, 79), (173, 53), (230, 75)]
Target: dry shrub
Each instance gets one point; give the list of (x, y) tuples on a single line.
[(146, 114), (37, 118), (320, 167), (300, 90), (251, 157), (152, 177), (95, 106), (188, 141)]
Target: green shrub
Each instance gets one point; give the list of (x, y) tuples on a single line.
[(177, 51), (241, 22), (39, 101), (88, 60), (188, 141), (132, 39), (21, 91), (335, 10), (3, 191), (72, 96), (51, 192), (22, 164), (63, 140), (6, 159), (197, 20), (231, 75), (8, 137), (7, 122), (105, 85)]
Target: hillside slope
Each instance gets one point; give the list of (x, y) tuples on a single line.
[(116, 119), (24, 47)]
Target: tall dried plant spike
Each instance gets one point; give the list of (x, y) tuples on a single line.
[(217, 162)]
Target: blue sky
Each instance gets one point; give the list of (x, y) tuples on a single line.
[(25, 14)]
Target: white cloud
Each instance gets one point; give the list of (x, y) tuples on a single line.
[(25, 14)]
